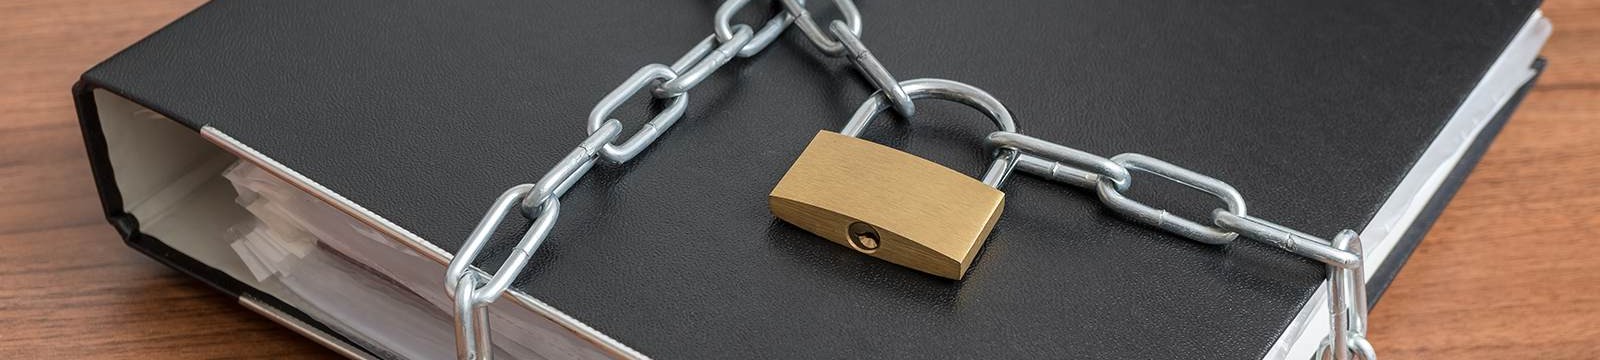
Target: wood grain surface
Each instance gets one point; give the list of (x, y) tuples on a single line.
[(1510, 271)]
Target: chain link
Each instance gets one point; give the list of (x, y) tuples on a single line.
[(843, 37), (1110, 178), (480, 236), (819, 37), (1347, 305), (723, 28), (1114, 199), (707, 61), (1290, 240), (1061, 163), (571, 168), (473, 321), (874, 70), (647, 75)]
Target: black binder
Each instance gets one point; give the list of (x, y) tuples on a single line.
[(411, 116)]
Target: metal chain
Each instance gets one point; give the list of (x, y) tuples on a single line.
[(473, 291), (1110, 178)]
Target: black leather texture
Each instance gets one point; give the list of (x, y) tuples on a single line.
[(424, 111)]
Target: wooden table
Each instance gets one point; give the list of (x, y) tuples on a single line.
[(1511, 270)]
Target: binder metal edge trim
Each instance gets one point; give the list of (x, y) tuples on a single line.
[(300, 327)]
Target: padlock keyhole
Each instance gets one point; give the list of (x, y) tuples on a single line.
[(864, 238)]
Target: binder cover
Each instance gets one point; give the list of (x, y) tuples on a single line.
[(421, 112)]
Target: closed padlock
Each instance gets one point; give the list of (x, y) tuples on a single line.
[(893, 205)]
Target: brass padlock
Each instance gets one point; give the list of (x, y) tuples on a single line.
[(893, 205)]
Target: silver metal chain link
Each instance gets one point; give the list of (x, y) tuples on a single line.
[(1110, 178), (843, 37)]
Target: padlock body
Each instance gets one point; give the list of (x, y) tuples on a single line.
[(925, 216)]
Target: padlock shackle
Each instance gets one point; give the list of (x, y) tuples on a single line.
[(948, 90)]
